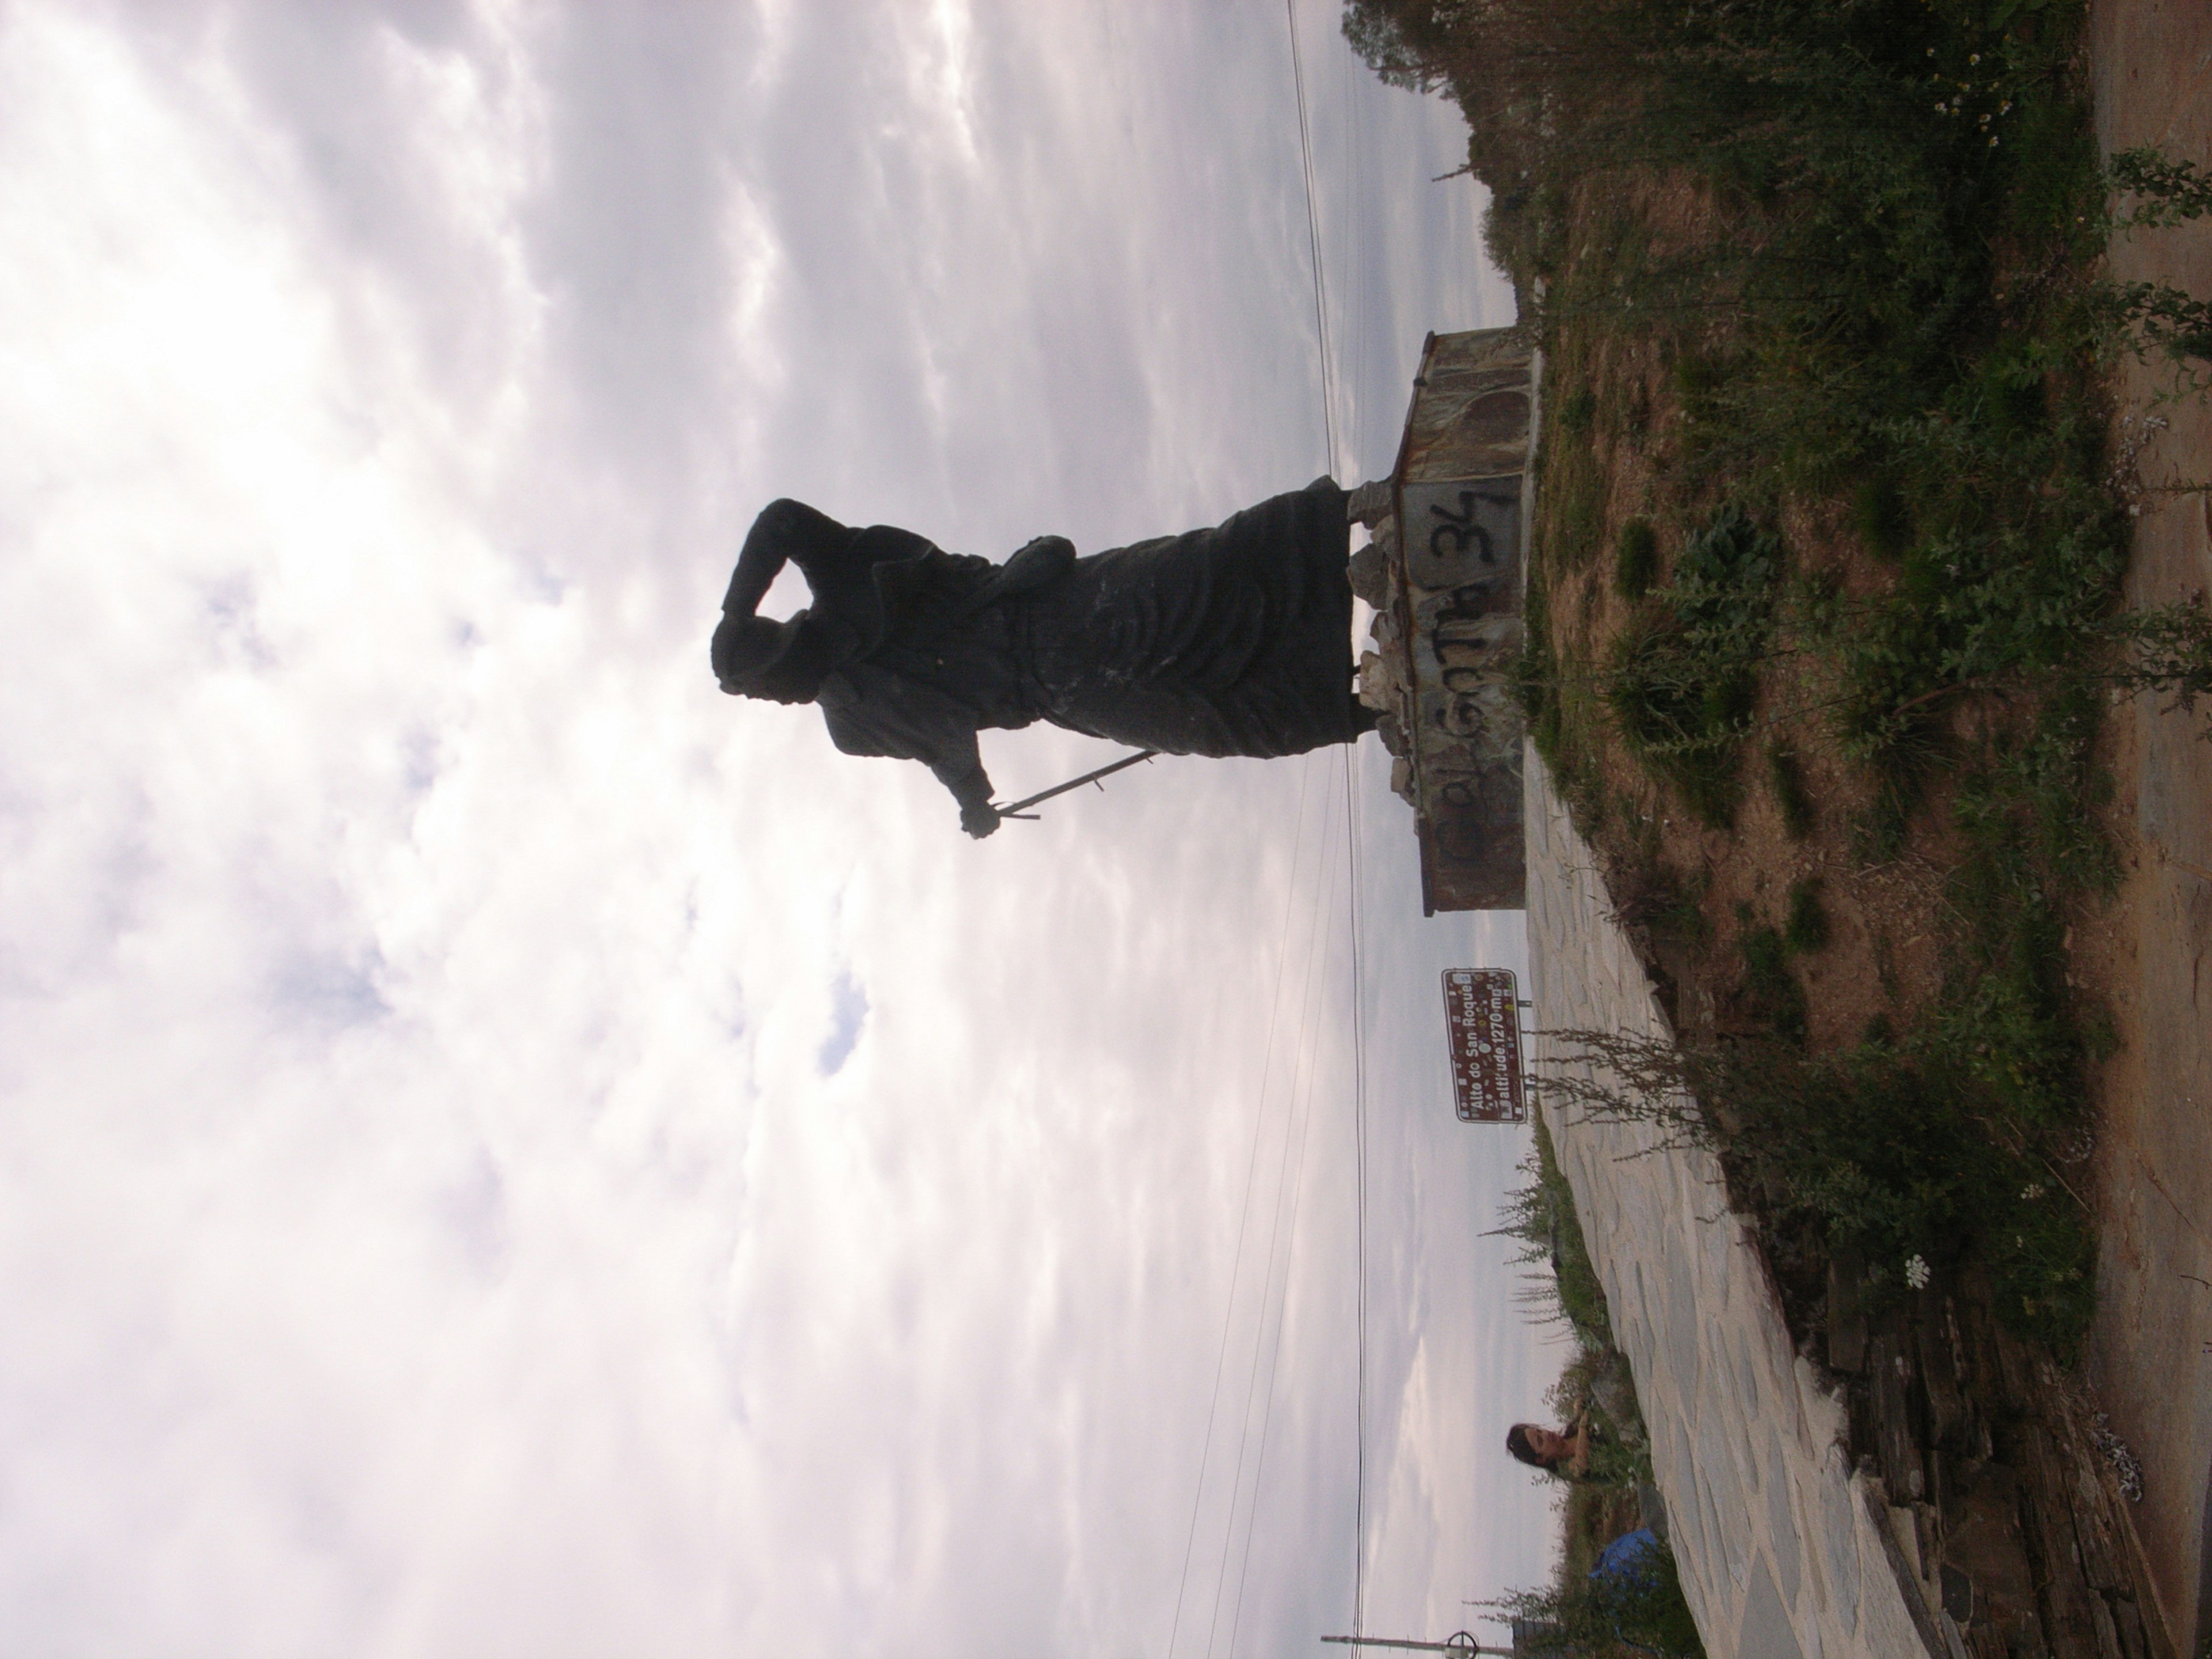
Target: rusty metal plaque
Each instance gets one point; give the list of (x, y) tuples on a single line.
[(1482, 1020)]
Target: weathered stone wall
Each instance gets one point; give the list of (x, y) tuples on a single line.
[(1782, 1551)]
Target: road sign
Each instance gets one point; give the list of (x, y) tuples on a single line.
[(1482, 1018)]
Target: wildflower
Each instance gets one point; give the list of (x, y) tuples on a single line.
[(2121, 1459), (1916, 1272), (2032, 1191), (1974, 57), (1993, 144)]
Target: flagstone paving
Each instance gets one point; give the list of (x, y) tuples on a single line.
[(1786, 1551)]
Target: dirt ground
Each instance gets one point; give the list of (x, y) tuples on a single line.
[(1882, 955), (2147, 956), (2150, 1358)]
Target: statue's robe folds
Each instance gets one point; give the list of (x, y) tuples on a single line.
[(1231, 640)]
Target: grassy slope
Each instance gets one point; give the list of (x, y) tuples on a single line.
[(1827, 553)]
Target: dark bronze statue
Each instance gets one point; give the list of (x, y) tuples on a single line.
[(1232, 640)]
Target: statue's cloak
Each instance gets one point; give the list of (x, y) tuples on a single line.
[(1232, 640)]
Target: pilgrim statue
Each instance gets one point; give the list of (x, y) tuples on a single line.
[(1231, 641)]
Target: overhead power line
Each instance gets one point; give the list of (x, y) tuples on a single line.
[(1328, 389)]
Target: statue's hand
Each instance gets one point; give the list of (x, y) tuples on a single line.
[(978, 819)]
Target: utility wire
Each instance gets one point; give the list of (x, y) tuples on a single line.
[(1352, 853), (1313, 239), (1252, 1164), (1296, 1189), (1359, 1175), (1316, 948)]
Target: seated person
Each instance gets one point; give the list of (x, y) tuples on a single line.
[(1563, 1452)]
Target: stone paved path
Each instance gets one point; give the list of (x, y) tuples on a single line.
[(1785, 1551)]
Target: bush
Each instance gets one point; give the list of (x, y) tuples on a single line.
[(1886, 1147), (2042, 1261), (1879, 515), (1648, 894), (1641, 1612), (1540, 1213), (1771, 990), (1682, 680), (1578, 504), (1636, 559)]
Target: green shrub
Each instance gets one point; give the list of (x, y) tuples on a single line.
[(1698, 377), (1771, 990), (1579, 505), (2042, 1261), (1682, 681), (1636, 559), (1893, 698), (1884, 1147), (1674, 721), (1540, 1213), (1643, 1613), (1879, 515)]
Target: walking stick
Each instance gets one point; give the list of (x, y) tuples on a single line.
[(1015, 809)]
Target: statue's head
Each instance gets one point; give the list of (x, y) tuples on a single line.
[(776, 662)]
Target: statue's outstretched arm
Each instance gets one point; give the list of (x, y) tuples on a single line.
[(784, 528), (964, 775)]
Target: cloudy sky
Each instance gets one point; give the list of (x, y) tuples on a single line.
[(504, 1150)]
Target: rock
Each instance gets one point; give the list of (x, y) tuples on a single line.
[(1370, 572), (1380, 687), (1369, 503), (1984, 1544)]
